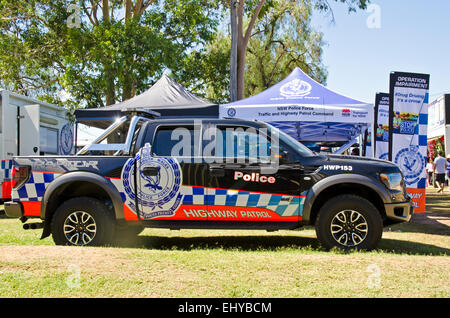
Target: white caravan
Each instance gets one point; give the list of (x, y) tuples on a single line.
[(29, 127)]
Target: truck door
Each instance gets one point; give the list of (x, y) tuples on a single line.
[(28, 130), (242, 188), (171, 174)]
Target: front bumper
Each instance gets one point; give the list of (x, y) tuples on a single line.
[(13, 209), (399, 211)]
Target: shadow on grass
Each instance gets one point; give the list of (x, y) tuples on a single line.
[(427, 223), (244, 243), (269, 243), (411, 248)]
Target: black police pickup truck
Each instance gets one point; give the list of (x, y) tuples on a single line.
[(145, 171)]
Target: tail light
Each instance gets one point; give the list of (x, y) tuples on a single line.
[(19, 176)]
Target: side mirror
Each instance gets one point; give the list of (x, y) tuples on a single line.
[(148, 148)]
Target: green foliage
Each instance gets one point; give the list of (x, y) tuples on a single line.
[(439, 146), (282, 39), (113, 56), (352, 5), (206, 72), (105, 60)]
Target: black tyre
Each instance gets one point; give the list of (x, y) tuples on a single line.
[(349, 222), (83, 221)]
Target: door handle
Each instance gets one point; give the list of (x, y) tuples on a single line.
[(150, 171)]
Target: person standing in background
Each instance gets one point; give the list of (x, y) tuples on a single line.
[(429, 169), (440, 169), (448, 169)]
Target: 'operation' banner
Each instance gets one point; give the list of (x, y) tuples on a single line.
[(382, 126), (408, 103)]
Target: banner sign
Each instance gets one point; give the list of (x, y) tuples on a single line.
[(321, 113), (382, 126), (408, 104)]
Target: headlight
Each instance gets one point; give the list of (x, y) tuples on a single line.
[(393, 181)]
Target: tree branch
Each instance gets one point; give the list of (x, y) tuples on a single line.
[(253, 21)]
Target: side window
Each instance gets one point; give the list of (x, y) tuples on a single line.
[(178, 141), (241, 142), (249, 144), (136, 133)]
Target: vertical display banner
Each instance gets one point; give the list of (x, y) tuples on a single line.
[(381, 126), (408, 118)]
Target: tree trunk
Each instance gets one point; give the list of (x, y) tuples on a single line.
[(105, 10), (110, 87), (242, 50), (233, 52), (243, 39), (127, 5)]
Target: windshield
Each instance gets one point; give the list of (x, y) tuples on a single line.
[(117, 140), (291, 142)]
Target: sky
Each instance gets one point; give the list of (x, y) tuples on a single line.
[(395, 35)]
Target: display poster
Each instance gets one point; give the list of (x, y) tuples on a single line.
[(381, 126), (408, 104)]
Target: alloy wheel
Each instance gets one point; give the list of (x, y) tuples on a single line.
[(80, 228), (349, 228)]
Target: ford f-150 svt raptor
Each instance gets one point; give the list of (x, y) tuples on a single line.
[(205, 173)]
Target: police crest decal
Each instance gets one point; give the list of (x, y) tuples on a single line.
[(65, 140), (412, 164), (295, 88), (158, 194)]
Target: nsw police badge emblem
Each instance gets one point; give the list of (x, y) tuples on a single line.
[(295, 88), (65, 140), (158, 194), (412, 164)]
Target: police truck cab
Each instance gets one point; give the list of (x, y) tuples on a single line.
[(205, 173)]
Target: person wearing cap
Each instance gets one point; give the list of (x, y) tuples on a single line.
[(440, 169)]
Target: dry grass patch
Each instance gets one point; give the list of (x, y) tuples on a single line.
[(412, 260)]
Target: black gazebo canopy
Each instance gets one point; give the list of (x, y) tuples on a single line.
[(165, 97)]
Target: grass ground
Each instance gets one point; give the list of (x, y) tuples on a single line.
[(412, 260)]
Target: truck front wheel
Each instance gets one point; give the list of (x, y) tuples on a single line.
[(82, 221), (349, 222)]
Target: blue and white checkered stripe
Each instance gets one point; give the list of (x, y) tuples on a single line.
[(6, 167), (283, 205), (422, 140), (34, 188)]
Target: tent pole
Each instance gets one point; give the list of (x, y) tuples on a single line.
[(76, 135)]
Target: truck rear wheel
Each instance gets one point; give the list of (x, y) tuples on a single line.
[(349, 222), (83, 221)]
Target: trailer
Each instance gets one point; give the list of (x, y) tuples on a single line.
[(30, 127)]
